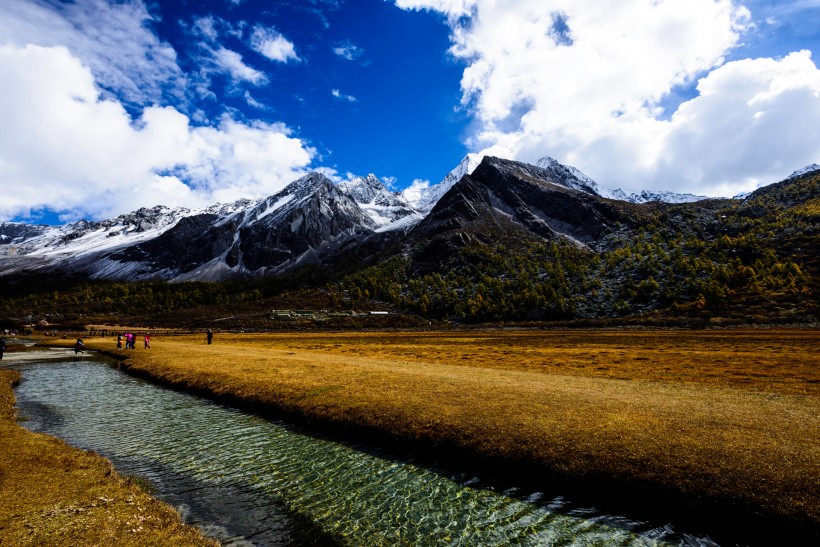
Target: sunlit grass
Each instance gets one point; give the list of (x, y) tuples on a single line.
[(53, 494), (732, 415)]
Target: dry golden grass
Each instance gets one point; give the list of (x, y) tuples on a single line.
[(53, 494), (732, 415)]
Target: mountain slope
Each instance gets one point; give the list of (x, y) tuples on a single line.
[(282, 231), (388, 210), (425, 197), (504, 199), (310, 217)]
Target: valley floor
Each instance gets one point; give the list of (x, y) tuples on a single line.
[(729, 418)]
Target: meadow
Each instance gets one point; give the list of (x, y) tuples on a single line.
[(732, 416), (726, 422)]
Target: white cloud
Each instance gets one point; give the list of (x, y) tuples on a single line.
[(348, 51), (253, 102), (214, 58), (205, 29), (273, 45), (339, 95), (230, 62), (65, 148), (584, 80), (754, 122), (452, 8), (124, 55)]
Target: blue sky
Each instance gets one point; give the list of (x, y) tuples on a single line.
[(370, 85), (113, 105)]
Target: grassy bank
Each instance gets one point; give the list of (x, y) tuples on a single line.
[(53, 494), (731, 417)]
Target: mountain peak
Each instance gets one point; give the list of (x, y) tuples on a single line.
[(387, 209), (308, 183), (568, 175), (364, 189), (805, 170), (547, 170), (423, 196)]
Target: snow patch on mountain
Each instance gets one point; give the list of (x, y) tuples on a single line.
[(82, 237), (423, 197), (568, 176), (805, 170), (645, 197), (273, 207), (387, 209)]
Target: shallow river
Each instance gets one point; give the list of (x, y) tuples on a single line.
[(246, 480)]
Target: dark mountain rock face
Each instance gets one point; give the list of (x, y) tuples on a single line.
[(191, 242), (503, 198), (347, 226), (536, 198), (15, 231), (324, 216), (310, 216)]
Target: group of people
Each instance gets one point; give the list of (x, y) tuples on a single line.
[(131, 340)]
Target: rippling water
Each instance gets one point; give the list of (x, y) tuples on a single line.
[(247, 480)]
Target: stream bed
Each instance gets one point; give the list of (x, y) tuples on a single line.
[(247, 480)]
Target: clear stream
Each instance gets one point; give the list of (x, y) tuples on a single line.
[(246, 480)]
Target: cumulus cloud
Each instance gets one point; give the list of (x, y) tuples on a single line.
[(588, 83), (453, 8), (140, 69), (67, 147), (273, 45)]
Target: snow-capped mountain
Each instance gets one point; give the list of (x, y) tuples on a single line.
[(504, 200), (804, 171), (314, 221), (297, 226), (424, 197), (645, 197), (573, 178), (311, 216), (387, 209), (568, 176), (84, 236)]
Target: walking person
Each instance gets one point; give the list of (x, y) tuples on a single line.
[(147, 340), (119, 341), (78, 346), (2, 347), (209, 336)]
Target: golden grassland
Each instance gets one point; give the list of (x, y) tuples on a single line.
[(53, 494), (732, 416)]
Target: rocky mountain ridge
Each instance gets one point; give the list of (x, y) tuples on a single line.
[(316, 222)]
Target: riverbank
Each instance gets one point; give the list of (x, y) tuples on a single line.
[(719, 422), (54, 494)]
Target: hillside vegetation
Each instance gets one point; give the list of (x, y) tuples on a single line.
[(716, 262)]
